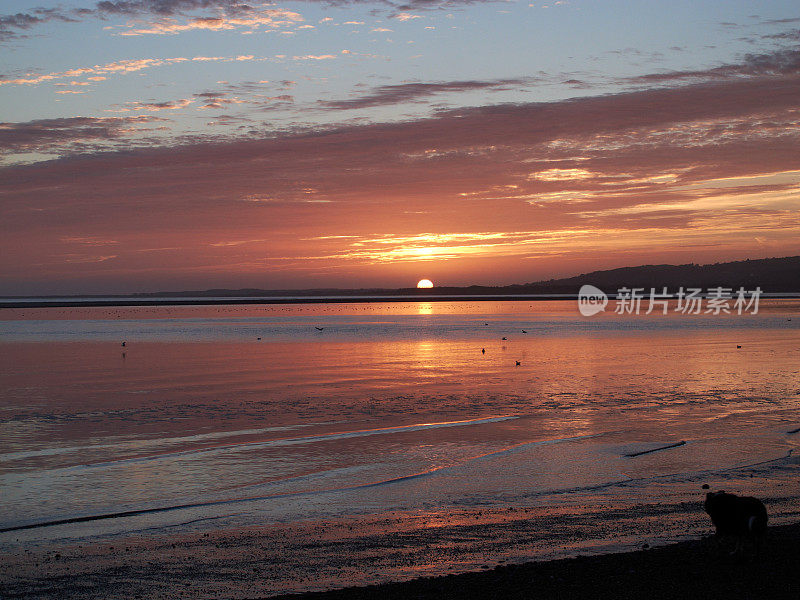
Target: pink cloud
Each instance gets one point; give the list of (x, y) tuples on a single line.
[(56, 135), (158, 106)]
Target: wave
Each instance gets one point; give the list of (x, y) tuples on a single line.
[(133, 445), (405, 478), (372, 484), (309, 439)]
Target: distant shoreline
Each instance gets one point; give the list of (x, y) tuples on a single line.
[(179, 301), (99, 302), (774, 276)]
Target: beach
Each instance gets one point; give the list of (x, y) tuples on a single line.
[(252, 564), (685, 570), (426, 299), (254, 451)]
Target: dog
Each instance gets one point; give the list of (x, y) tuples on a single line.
[(739, 518)]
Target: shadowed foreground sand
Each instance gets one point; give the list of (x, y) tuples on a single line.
[(691, 569)]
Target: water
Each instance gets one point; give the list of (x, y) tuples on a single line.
[(341, 411)]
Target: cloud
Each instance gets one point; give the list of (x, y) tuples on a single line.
[(691, 171), (49, 135), (247, 92), (87, 258), (782, 62), (281, 99), (410, 92), (158, 106), (217, 100), (561, 174), (11, 25), (125, 66), (781, 21), (164, 7), (269, 17), (120, 67), (404, 16), (89, 241), (161, 16), (314, 57), (793, 35)]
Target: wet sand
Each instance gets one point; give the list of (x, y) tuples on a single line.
[(458, 554), (695, 569)]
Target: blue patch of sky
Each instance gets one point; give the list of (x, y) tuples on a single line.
[(595, 41)]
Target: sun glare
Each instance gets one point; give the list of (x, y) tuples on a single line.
[(425, 283)]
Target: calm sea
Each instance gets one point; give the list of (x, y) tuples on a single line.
[(235, 415)]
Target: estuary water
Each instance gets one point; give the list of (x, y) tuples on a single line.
[(232, 416)]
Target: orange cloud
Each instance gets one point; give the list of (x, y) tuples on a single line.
[(272, 18), (485, 194), (124, 66), (404, 16)]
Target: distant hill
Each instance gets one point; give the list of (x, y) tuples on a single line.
[(772, 275)]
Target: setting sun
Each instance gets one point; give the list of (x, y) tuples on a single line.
[(425, 283)]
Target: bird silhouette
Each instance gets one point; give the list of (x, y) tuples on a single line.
[(505, 338), (518, 363), (318, 328), (483, 350)]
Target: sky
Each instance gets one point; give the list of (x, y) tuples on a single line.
[(151, 145)]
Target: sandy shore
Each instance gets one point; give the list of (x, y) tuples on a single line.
[(694, 569), (485, 553)]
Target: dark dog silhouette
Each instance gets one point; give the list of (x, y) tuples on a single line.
[(740, 518)]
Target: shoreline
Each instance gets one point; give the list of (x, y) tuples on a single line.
[(108, 302), (177, 301), (691, 569), (212, 567), (480, 553)]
